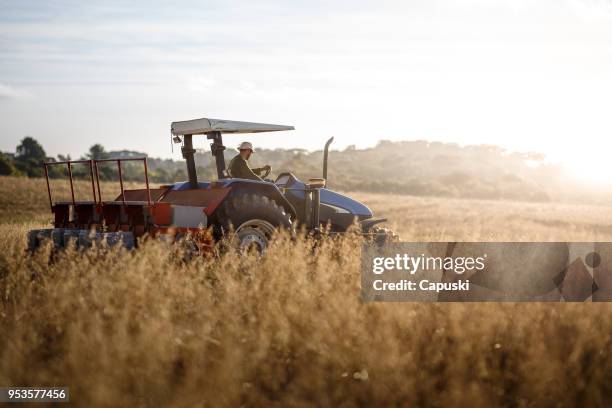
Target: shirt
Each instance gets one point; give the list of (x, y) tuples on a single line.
[(239, 168)]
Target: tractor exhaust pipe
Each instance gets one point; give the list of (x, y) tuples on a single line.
[(325, 154)]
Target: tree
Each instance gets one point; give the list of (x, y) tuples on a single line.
[(30, 149), (30, 157), (7, 168), (97, 152)]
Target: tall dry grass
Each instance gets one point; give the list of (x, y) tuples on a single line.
[(147, 328), (434, 219)]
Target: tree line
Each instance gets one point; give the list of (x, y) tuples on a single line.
[(415, 167), (30, 155)]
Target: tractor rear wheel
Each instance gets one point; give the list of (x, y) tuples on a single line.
[(253, 220)]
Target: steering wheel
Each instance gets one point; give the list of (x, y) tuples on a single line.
[(266, 173)]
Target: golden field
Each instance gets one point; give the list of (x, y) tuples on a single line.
[(148, 329)]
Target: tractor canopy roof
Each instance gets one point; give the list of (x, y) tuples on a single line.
[(204, 125)]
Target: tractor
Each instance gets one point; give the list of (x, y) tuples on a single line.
[(248, 210)]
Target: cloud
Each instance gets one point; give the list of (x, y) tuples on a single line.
[(8, 92), (201, 83), (591, 10)]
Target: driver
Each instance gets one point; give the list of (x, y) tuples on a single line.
[(239, 168)]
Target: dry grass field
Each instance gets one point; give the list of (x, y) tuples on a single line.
[(149, 329)]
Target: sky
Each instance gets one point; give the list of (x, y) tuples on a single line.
[(525, 75)]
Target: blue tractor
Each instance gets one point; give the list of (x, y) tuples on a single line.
[(254, 209), (248, 210)]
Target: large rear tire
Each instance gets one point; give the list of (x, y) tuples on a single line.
[(252, 219)]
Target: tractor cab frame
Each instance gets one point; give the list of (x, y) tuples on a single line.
[(213, 129)]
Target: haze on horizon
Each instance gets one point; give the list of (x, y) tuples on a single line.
[(525, 76)]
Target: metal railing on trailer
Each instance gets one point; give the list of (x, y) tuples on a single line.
[(95, 174)]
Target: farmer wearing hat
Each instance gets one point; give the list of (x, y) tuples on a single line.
[(239, 166)]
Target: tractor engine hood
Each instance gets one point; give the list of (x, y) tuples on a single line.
[(340, 203), (344, 204)]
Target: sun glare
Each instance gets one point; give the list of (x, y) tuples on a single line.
[(592, 169)]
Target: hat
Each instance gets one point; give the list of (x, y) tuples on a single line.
[(246, 145)]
